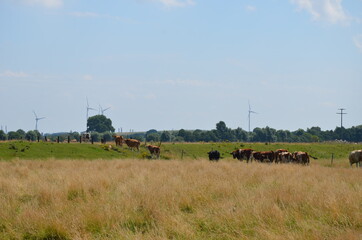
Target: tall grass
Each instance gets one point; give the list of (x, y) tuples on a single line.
[(139, 199)]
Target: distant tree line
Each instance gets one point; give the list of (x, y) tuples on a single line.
[(221, 133), (267, 134)]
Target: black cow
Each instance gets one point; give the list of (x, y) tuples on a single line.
[(214, 155)]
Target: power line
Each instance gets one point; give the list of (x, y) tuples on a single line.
[(341, 113)]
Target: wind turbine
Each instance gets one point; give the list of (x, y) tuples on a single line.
[(250, 111), (36, 120), (101, 110), (88, 108)]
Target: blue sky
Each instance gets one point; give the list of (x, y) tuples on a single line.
[(172, 64)]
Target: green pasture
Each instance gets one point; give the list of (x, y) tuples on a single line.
[(44, 150)]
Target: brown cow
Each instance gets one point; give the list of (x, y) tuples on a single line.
[(285, 157), (261, 156), (257, 156), (133, 143), (119, 140), (241, 154), (236, 154), (269, 155), (154, 150), (355, 157), (277, 155), (301, 157)]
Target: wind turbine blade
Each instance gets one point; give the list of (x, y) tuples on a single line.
[(35, 114), (106, 109), (87, 102), (41, 118), (92, 108)]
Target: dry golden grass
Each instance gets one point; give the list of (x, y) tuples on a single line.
[(135, 199)]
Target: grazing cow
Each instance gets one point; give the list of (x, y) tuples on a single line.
[(214, 155), (301, 157), (277, 154), (154, 150), (285, 157), (257, 156), (118, 140), (269, 155), (133, 143), (236, 154), (261, 156), (355, 157), (241, 154)]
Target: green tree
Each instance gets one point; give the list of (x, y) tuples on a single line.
[(197, 135), (74, 135), (165, 137), (186, 135), (107, 136), (270, 134), (96, 136), (240, 134), (2, 135), (153, 137), (99, 123), (21, 133), (13, 135), (30, 135), (259, 135), (223, 132)]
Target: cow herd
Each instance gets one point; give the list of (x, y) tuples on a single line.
[(134, 144), (278, 156), (247, 154)]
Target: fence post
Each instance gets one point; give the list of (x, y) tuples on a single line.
[(58, 139), (332, 159), (80, 139), (68, 139)]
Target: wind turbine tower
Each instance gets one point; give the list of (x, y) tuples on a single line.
[(36, 120), (88, 108), (250, 112)]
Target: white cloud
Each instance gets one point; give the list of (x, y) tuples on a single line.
[(325, 10), (250, 8), (176, 3), (45, 3), (12, 74), (88, 77), (358, 41)]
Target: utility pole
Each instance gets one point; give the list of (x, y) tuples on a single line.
[(341, 113)]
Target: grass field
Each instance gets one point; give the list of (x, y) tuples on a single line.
[(51, 191), (42, 150), (190, 199)]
